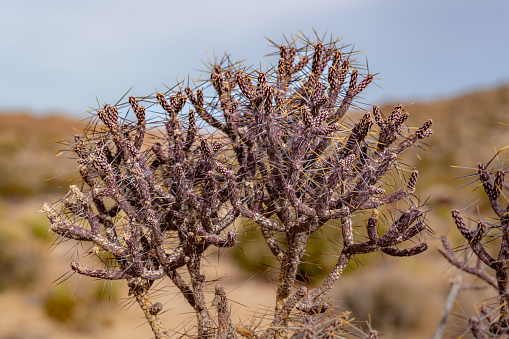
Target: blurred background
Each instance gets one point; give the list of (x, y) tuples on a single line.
[(444, 60)]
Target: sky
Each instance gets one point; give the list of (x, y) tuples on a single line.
[(68, 56)]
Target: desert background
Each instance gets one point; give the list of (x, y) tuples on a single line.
[(403, 297), (442, 60)]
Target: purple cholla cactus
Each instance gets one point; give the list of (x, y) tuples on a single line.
[(273, 147)]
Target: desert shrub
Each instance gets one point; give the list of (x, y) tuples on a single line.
[(276, 149)]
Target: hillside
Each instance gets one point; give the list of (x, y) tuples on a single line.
[(29, 148), (468, 130)]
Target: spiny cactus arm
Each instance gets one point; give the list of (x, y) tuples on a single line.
[(477, 328), (273, 244), (300, 65), (371, 227), (321, 197), (479, 249), (110, 183), (213, 239), (184, 288), (338, 170), (405, 252), (205, 321), (260, 99), (89, 174), (492, 191), (285, 67), (325, 131), (143, 191), (110, 118), (320, 58), (224, 82), (391, 127), (176, 104), (394, 196), (117, 275), (421, 133), (289, 266), (177, 257), (224, 222), (364, 188), (319, 306), (410, 232), (88, 213), (225, 328), (357, 135), (263, 220), (335, 213), (337, 271), (191, 131), (133, 244), (209, 198), (387, 199), (460, 224), (270, 138), (139, 111), (498, 183), (313, 88), (160, 157), (197, 102), (353, 90), (386, 245), (332, 278), (245, 86), (140, 292), (474, 239), (177, 143), (499, 284), (336, 77), (284, 313), (64, 228), (73, 231), (448, 253), (278, 205), (399, 230)]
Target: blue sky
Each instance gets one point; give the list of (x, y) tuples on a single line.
[(61, 55)]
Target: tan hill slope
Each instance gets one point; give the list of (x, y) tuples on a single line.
[(468, 129), (28, 153)]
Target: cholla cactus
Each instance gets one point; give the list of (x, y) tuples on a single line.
[(489, 266), (278, 151)]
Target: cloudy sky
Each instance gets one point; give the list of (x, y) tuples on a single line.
[(62, 55)]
